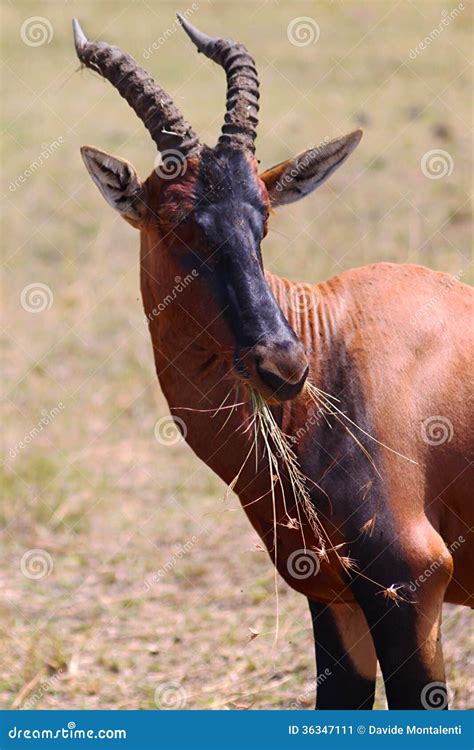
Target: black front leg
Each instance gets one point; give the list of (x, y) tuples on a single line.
[(345, 657), (405, 616)]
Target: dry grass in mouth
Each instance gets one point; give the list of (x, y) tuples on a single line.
[(277, 446)]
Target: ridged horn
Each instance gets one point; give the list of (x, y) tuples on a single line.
[(151, 103), (241, 118)]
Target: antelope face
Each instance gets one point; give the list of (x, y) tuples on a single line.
[(228, 221), (211, 216)]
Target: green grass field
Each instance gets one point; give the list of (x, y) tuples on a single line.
[(110, 507)]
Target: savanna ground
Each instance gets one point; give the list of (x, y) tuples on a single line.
[(107, 505)]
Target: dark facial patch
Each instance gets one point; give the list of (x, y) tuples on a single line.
[(228, 199), (230, 214)]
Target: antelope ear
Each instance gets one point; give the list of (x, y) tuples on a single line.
[(293, 179), (118, 182)]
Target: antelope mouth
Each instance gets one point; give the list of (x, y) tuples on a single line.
[(276, 379), (279, 389)]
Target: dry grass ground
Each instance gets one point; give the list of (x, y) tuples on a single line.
[(94, 489)]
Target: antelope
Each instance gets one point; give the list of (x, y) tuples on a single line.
[(400, 522)]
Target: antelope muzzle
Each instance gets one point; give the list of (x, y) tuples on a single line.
[(282, 368)]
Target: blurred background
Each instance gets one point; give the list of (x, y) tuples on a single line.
[(129, 580)]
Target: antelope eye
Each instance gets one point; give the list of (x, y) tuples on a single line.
[(265, 213)]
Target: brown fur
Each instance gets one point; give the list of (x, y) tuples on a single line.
[(400, 367), (409, 372)]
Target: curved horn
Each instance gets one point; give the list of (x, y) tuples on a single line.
[(152, 104), (241, 118)]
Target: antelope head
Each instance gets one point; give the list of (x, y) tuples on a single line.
[(206, 209)]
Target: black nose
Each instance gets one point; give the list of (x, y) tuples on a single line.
[(283, 367)]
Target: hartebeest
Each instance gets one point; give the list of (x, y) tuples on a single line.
[(400, 527)]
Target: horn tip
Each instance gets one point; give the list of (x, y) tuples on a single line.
[(182, 21), (197, 37), (80, 39)]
